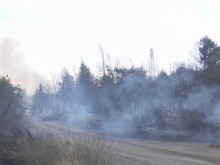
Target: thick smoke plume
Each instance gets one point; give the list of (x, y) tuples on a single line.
[(12, 63)]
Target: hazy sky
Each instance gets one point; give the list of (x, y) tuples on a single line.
[(50, 34)]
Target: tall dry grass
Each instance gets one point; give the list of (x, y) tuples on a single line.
[(46, 149)]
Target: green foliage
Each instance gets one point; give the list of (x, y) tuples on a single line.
[(210, 60), (40, 100), (67, 83), (85, 77), (209, 53), (12, 107), (66, 90), (123, 74)]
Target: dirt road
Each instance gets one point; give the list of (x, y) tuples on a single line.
[(148, 152)]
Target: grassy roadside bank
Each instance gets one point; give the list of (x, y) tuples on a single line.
[(48, 149)]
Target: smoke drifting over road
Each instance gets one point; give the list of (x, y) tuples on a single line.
[(127, 102), (12, 63)]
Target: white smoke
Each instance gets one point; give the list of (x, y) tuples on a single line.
[(13, 64)]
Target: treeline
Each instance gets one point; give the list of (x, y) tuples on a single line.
[(12, 106), (187, 99), (22, 144)]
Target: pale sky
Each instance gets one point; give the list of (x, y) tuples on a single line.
[(50, 34)]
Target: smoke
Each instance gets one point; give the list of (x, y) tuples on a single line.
[(13, 64), (153, 106), (126, 102)]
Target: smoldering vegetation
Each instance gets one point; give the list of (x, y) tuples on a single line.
[(127, 101), (121, 101)]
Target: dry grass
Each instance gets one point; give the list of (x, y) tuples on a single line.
[(49, 150)]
